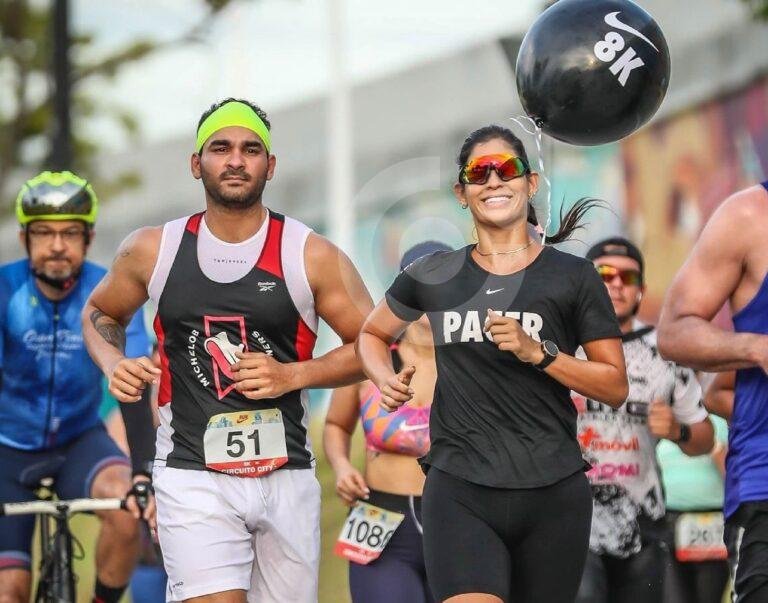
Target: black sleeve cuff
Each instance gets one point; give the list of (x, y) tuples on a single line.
[(140, 431)]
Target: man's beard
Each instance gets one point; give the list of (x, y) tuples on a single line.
[(62, 280), (630, 314), (243, 199)]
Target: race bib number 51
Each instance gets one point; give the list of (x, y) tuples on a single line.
[(248, 443), (366, 532)]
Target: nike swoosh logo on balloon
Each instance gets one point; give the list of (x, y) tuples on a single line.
[(612, 20)]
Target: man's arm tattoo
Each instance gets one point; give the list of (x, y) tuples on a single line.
[(112, 331)]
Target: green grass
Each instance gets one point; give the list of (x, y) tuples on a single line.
[(333, 570)]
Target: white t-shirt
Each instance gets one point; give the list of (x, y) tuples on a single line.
[(625, 478)]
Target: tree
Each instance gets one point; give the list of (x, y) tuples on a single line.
[(26, 111), (759, 8)]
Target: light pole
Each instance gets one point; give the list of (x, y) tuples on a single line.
[(61, 139), (339, 127)]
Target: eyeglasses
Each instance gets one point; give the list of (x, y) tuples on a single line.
[(628, 277), (507, 167), (48, 235)]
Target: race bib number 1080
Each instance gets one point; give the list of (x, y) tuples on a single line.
[(366, 532), (248, 443)]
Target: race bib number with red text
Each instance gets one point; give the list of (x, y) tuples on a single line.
[(366, 532), (699, 537), (248, 443)]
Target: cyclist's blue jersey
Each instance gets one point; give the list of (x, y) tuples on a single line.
[(50, 389)]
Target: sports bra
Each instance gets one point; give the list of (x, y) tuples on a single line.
[(405, 431)]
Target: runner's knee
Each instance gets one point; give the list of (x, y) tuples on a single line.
[(14, 586), (112, 482), (121, 524)]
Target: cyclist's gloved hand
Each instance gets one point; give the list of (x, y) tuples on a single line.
[(140, 500)]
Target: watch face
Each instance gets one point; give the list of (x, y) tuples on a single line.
[(550, 347)]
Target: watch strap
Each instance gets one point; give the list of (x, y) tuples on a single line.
[(685, 434), (548, 358)]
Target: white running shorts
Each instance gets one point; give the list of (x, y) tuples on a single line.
[(220, 532)]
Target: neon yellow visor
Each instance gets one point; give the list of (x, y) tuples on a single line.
[(233, 114)]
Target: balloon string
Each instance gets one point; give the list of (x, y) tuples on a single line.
[(536, 133)]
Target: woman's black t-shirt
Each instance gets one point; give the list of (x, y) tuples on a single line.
[(497, 421)]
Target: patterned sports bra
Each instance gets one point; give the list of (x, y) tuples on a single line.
[(405, 431)]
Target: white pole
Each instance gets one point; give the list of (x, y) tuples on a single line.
[(239, 68), (341, 217)]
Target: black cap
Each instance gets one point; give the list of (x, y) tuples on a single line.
[(617, 246), (420, 250)]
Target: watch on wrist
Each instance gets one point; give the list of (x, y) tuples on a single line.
[(685, 434), (550, 350)]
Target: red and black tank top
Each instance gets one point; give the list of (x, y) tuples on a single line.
[(204, 317)]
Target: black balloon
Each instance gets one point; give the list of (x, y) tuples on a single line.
[(592, 71)]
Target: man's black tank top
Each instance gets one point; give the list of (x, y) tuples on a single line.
[(201, 323)]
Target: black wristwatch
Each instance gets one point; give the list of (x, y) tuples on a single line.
[(551, 351), (685, 434)]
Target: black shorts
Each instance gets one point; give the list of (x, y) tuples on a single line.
[(746, 536), (73, 466), (526, 545), (638, 578)]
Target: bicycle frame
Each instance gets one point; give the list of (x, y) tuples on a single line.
[(57, 578)]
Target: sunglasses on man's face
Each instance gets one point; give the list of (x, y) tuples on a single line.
[(628, 277), (507, 167)]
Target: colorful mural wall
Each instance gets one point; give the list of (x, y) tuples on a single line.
[(679, 170)]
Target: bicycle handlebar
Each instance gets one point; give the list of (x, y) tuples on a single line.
[(68, 507)]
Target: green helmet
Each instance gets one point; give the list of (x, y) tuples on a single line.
[(56, 196)]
